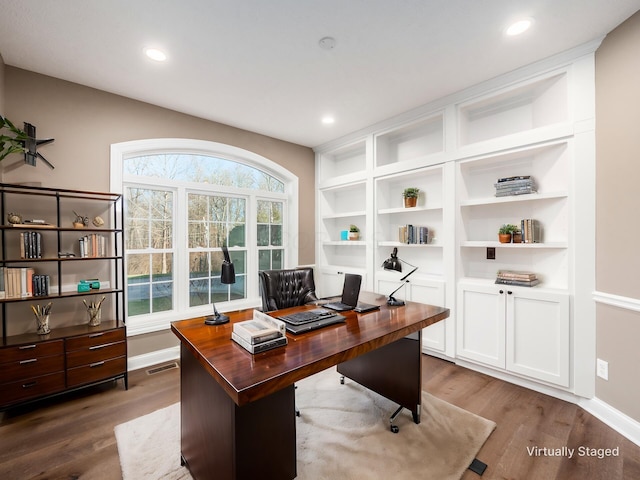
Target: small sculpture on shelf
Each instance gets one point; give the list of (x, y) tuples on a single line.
[(97, 221), (80, 221), (42, 318), (14, 218), (410, 195)]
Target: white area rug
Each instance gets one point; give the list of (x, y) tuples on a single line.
[(343, 433)]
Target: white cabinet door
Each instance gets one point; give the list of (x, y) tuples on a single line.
[(432, 293), (480, 331), (538, 335)]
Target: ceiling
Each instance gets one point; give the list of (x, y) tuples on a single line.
[(257, 64)]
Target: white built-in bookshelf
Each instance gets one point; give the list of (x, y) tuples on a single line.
[(537, 122)]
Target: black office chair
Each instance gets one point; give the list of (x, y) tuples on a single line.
[(287, 288)]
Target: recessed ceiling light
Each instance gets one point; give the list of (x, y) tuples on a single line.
[(328, 120), (155, 54), (327, 43), (519, 27)]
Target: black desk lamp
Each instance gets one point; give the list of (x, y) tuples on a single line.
[(227, 277), (394, 263)]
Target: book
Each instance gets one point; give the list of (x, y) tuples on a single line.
[(256, 330), (279, 324), (516, 275), (521, 283), (259, 347)]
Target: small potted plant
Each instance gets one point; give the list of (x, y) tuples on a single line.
[(410, 196), (505, 232), (354, 232)]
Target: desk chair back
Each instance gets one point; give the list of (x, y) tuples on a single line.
[(286, 288)]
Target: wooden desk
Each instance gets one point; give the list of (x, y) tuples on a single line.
[(237, 409)]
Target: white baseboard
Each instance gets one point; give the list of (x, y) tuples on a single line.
[(621, 423), (153, 358)]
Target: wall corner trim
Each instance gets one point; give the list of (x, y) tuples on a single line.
[(620, 301)]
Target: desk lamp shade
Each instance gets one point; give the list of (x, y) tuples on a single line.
[(227, 277), (394, 263)]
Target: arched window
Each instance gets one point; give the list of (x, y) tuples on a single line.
[(184, 201)]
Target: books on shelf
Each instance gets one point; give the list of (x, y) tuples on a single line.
[(94, 245), (413, 234), (30, 245), (261, 333), (531, 230), (22, 282), (512, 277), (518, 185)]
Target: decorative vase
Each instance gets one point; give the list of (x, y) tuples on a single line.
[(410, 202), (504, 237), (354, 235)]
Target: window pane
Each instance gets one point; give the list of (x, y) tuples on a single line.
[(197, 235), (138, 300), (161, 234), (162, 296), (138, 268), (237, 236), (264, 260), (276, 235), (198, 292), (263, 235), (202, 169), (198, 265), (162, 267), (137, 236), (276, 259)]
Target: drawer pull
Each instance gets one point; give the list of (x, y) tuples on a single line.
[(29, 385), (97, 364), (26, 347), (98, 347), (31, 360), (94, 335)]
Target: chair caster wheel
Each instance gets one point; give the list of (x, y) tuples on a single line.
[(341, 380), (395, 428)]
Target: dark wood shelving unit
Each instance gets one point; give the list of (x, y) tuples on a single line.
[(77, 355)]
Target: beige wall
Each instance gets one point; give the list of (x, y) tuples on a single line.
[(1, 86), (85, 122), (617, 209)]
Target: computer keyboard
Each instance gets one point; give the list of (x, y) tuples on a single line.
[(307, 316)]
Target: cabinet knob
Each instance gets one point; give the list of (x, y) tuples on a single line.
[(501, 292), (509, 292)]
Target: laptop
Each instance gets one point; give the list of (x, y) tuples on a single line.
[(350, 293)]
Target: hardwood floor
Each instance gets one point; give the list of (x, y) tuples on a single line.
[(71, 437)]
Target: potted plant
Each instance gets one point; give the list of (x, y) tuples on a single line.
[(14, 142), (410, 195), (505, 232), (354, 232)]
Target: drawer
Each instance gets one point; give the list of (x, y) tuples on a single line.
[(97, 338), (31, 350), (32, 388), (95, 353), (31, 367), (96, 371)]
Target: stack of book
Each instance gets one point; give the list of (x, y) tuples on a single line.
[(259, 334), (22, 282), (523, 279), (413, 234), (518, 185), (531, 231)]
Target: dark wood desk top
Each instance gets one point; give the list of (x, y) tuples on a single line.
[(246, 377)]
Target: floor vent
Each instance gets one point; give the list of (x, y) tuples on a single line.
[(162, 368)]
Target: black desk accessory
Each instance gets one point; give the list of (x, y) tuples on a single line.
[(227, 277), (394, 263)]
